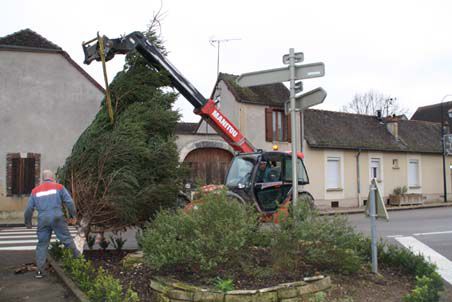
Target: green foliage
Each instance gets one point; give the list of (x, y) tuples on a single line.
[(56, 250), (216, 233), (99, 285), (326, 242), (426, 289), (123, 173), (428, 282), (400, 190), (90, 241), (117, 242), (104, 243), (318, 297), (224, 285)]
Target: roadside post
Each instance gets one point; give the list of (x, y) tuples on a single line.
[(295, 103), (375, 209)]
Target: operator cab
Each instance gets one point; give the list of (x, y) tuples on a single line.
[(265, 178)]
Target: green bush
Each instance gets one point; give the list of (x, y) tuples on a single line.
[(224, 285), (216, 233), (117, 242), (99, 285), (426, 289), (56, 250)]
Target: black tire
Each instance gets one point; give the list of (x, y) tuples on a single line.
[(306, 197), (231, 196)]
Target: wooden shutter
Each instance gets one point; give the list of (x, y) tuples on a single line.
[(16, 179), (29, 175), (268, 125)]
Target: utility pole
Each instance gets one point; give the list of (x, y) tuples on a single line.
[(218, 42)]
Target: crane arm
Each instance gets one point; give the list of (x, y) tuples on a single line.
[(204, 108)]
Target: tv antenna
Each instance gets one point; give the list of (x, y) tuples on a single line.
[(218, 42)]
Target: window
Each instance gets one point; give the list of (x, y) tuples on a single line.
[(413, 173), (22, 173), (375, 171), (277, 126), (333, 176), (395, 164)]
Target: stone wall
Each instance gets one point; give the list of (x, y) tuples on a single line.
[(168, 290)]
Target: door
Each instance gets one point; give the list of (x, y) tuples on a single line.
[(207, 166)]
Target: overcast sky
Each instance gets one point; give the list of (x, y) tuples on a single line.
[(400, 48)]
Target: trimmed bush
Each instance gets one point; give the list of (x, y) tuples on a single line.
[(216, 233)]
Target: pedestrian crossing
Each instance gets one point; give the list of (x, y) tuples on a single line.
[(22, 239)]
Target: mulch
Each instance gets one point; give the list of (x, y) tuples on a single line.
[(363, 286)]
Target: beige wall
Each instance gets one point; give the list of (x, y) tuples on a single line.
[(392, 175)]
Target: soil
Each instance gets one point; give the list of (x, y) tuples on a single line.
[(363, 287)]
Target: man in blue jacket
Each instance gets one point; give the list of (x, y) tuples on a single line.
[(48, 199)]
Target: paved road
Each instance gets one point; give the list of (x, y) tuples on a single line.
[(426, 231)]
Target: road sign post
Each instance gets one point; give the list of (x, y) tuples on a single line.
[(375, 209), (291, 73)]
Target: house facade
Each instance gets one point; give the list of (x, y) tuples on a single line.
[(47, 100), (343, 151)]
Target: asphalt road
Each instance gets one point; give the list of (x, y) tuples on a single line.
[(425, 231)]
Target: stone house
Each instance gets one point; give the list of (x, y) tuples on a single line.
[(47, 100), (343, 151)]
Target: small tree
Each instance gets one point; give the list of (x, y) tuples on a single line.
[(369, 102), (121, 173)]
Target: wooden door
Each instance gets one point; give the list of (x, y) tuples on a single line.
[(208, 165)]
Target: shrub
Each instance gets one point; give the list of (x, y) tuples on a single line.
[(117, 242), (108, 289), (203, 239), (56, 250), (425, 290), (224, 285), (104, 243), (90, 241)]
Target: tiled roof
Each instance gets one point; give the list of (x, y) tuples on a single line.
[(338, 130), (28, 38), (432, 113), (186, 128), (271, 95)]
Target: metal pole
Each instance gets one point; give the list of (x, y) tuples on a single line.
[(302, 131), (444, 152), (218, 58), (294, 128), (373, 228)]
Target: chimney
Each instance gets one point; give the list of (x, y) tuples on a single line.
[(379, 116), (393, 127)]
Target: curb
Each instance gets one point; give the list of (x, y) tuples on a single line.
[(67, 281), (11, 225), (399, 208)]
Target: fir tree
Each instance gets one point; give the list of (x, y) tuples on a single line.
[(120, 174)]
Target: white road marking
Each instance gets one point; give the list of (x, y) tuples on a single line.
[(394, 236), (432, 233), (17, 248), (11, 239), (444, 265)]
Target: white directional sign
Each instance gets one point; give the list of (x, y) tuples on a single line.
[(298, 57), (306, 100), (278, 75)]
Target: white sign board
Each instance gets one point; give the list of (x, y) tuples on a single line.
[(278, 75), (306, 100)]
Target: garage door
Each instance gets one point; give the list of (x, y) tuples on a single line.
[(207, 165)]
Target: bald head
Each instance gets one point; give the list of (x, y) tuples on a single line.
[(47, 174)]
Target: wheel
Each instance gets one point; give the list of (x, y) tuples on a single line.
[(306, 197)]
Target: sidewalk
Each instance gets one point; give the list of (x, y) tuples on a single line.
[(334, 211), (24, 287)]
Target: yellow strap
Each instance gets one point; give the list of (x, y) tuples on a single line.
[(104, 67)]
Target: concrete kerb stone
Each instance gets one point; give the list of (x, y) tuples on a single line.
[(172, 290), (361, 210), (67, 281)]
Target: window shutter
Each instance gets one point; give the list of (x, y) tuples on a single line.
[(268, 125)]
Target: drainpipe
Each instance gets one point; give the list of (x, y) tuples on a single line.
[(358, 178)]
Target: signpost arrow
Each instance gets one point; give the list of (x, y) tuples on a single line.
[(307, 99), (278, 75)]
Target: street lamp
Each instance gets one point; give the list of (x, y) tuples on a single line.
[(444, 145)]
